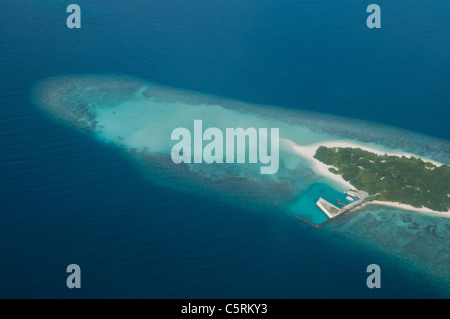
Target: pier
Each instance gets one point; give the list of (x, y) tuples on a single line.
[(329, 209), (333, 212), (312, 224)]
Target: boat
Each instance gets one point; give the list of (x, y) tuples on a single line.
[(339, 202), (349, 198), (351, 194)]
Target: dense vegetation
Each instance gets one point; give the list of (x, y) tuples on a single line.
[(399, 179)]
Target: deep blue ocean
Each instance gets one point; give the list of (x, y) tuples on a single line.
[(66, 198)]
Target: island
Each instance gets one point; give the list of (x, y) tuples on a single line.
[(406, 180), (132, 114), (400, 180)]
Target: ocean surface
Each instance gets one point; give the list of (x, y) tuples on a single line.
[(68, 198)]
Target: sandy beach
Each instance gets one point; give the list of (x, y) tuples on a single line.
[(406, 207), (309, 151), (320, 168)]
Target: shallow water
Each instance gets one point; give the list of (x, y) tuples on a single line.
[(417, 241), (140, 121)]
